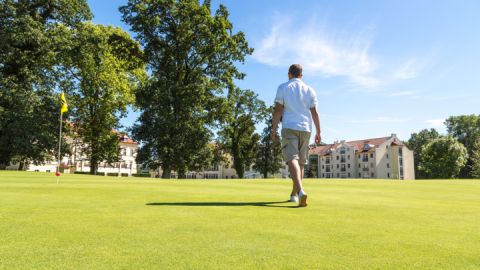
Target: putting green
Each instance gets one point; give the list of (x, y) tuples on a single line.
[(88, 222)]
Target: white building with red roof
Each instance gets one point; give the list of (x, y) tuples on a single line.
[(79, 162), (382, 158)]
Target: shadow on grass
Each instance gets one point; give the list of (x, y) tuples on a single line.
[(264, 204)]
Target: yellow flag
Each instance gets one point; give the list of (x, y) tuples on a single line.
[(63, 103)]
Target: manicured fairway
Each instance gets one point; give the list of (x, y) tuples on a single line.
[(118, 223)]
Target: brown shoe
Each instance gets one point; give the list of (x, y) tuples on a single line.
[(302, 199)]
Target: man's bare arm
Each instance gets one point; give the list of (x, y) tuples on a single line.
[(316, 121), (277, 115)]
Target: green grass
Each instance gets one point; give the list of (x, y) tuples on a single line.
[(118, 223)]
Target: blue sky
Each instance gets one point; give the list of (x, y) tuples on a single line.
[(379, 67)]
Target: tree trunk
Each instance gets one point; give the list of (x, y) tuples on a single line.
[(93, 166), (240, 170), (21, 165), (182, 174), (166, 172), (265, 174)]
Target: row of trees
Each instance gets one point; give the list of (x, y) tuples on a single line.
[(455, 155), (179, 71), (51, 46)]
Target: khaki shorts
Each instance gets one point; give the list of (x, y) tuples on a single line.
[(295, 145)]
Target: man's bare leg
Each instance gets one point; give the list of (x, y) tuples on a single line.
[(302, 172), (295, 172)]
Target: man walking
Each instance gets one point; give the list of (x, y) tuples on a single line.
[(295, 107)]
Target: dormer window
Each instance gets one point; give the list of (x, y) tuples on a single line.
[(366, 147)]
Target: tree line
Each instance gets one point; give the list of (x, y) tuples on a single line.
[(179, 70), (454, 155)]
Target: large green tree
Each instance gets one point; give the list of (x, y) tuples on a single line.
[(269, 155), (29, 49), (191, 55), (238, 136), (443, 158), (415, 143), (466, 129), (106, 67), (475, 158)]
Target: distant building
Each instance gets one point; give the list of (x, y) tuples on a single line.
[(383, 158), (78, 161), (126, 165), (222, 170)]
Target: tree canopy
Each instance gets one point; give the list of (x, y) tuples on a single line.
[(443, 158), (466, 129), (105, 67), (269, 154), (238, 136), (415, 143), (29, 58), (190, 55)]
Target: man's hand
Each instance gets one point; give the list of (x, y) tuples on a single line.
[(318, 138), (277, 114)]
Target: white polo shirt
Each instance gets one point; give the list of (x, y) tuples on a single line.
[(297, 98)]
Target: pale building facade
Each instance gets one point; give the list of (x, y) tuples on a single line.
[(126, 165), (78, 161), (377, 158)]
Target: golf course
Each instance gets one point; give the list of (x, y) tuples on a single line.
[(95, 222)]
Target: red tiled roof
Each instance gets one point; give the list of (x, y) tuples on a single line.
[(358, 145), (323, 149), (125, 139), (374, 141)]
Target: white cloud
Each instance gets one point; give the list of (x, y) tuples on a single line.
[(328, 51), (435, 123), (320, 52), (413, 67)]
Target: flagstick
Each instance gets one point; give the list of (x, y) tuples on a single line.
[(59, 145)]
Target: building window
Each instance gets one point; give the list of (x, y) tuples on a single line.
[(323, 166), (400, 151), (342, 150), (371, 165), (388, 175), (327, 160), (348, 174), (338, 175), (342, 159), (343, 169), (373, 175), (349, 165), (358, 165), (365, 158), (348, 157), (388, 165), (387, 155), (359, 174), (338, 157), (371, 155), (323, 175), (338, 166)]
